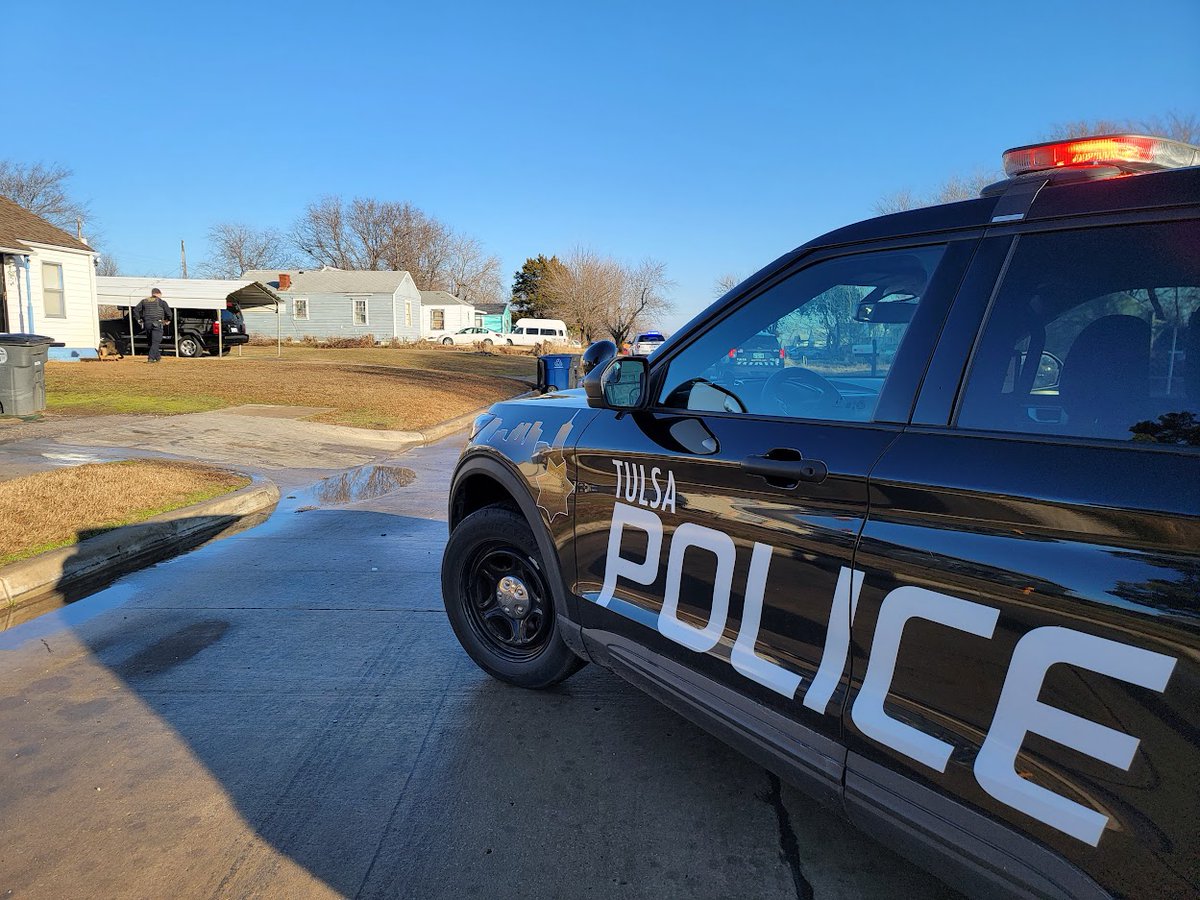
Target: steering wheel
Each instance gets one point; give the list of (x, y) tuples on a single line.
[(799, 392)]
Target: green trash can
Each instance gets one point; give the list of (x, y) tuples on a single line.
[(23, 373)]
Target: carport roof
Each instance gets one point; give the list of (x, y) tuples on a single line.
[(184, 293)]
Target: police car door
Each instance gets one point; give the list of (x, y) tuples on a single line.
[(1027, 635), (715, 532)]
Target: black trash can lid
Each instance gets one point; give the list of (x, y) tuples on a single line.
[(29, 340)]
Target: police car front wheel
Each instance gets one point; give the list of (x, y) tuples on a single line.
[(498, 600)]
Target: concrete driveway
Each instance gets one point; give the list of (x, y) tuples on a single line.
[(286, 713)]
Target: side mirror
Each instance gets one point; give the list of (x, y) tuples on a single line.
[(1049, 372), (622, 384)]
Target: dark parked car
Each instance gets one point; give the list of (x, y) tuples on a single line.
[(198, 333), (944, 574)]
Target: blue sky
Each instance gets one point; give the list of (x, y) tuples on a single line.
[(712, 136)]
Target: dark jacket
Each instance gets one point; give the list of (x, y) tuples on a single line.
[(152, 309)]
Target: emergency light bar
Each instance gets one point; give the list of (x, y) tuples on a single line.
[(1129, 152)]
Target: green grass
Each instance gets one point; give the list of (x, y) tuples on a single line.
[(105, 402)]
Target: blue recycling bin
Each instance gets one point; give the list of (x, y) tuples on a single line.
[(558, 371)]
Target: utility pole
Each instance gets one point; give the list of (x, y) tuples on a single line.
[(183, 257)]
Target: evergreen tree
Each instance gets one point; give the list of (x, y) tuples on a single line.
[(529, 295)]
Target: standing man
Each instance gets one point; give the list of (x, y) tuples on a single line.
[(152, 314)]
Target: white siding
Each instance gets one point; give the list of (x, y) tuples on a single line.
[(80, 327), (456, 316)]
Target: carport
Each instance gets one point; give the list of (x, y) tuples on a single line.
[(125, 292)]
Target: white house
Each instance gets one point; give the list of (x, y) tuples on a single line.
[(337, 303), (443, 313), (48, 283)]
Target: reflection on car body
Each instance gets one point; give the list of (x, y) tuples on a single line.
[(928, 546)]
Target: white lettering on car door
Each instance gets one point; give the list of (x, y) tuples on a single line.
[(743, 656), (1020, 712), (687, 536), (837, 641), (900, 605), (615, 565)]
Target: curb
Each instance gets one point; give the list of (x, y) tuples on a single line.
[(72, 572)]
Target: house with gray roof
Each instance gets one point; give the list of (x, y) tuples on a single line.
[(443, 313), (338, 303), (47, 282)]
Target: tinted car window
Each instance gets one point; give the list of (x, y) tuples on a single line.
[(1094, 334), (818, 345), (549, 331)]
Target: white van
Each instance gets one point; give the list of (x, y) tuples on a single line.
[(528, 332)]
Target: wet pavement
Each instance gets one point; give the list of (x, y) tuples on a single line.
[(286, 713)]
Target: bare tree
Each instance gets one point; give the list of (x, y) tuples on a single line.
[(106, 264), (642, 297), (1174, 125), (42, 189), (323, 235), (955, 188), (582, 288), (598, 295), (238, 248), (373, 234), (725, 283)]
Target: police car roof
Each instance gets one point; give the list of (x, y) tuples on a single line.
[(1171, 187)]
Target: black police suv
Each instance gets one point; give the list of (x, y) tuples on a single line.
[(911, 516)]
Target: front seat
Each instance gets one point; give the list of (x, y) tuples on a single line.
[(1105, 382)]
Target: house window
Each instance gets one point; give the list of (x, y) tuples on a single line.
[(360, 312), (300, 308), (407, 313), (52, 290), (437, 319)]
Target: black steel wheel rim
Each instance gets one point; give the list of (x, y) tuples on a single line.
[(507, 601)]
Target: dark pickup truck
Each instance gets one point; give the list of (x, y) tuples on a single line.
[(198, 334)]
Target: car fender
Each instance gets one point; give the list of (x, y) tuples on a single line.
[(500, 470)]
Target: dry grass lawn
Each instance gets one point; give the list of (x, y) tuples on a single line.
[(361, 393), (467, 362), (59, 508)]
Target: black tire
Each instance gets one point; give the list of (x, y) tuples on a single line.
[(446, 342), (487, 342), (519, 645), (509, 342), (190, 347)]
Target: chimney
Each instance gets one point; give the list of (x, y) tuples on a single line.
[(285, 281)]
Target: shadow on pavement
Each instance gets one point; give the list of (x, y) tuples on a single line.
[(308, 669)]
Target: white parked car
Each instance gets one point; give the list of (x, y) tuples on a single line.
[(537, 331), (474, 335)]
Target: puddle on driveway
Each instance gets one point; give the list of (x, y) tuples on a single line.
[(364, 483)]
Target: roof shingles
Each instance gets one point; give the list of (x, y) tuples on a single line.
[(19, 228)]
